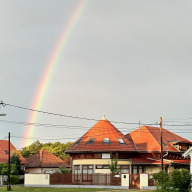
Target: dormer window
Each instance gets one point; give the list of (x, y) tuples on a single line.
[(90, 141), (106, 140), (78, 141), (121, 141)]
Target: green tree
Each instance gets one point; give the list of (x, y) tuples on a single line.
[(181, 180), (56, 149), (15, 160), (4, 169), (163, 181), (113, 165), (31, 149)]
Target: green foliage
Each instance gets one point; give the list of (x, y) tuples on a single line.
[(181, 180), (113, 165), (176, 181), (163, 181), (56, 149), (64, 170), (4, 169), (31, 149), (15, 160), (14, 179)]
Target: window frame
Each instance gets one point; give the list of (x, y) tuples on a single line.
[(106, 142), (89, 141)]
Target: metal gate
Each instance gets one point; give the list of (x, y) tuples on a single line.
[(134, 181)]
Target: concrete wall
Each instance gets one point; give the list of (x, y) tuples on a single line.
[(37, 179), (125, 180), (153, 169), (143, 180)]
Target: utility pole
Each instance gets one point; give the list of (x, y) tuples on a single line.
[(9, 184), (161, 130)]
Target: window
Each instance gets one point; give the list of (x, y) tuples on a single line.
[(90, 141), (138, 169), (6, 152), (76, 143), (99, 166), (105, 166), (106, 140), (124, 168), (105, 155), (76, 173), (102, 166), (87, 172), (121, 141)]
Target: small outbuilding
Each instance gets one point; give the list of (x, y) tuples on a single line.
[(44, 162)]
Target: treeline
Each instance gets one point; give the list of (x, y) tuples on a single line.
[(58, 149)]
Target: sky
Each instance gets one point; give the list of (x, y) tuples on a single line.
[(130, 60)]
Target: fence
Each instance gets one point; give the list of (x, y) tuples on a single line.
[(85, 179)]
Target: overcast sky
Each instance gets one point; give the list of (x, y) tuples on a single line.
[(128, 59)]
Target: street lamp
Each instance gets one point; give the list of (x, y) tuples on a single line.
[(2, 114)]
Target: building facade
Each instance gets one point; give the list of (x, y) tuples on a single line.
[(137, 152)]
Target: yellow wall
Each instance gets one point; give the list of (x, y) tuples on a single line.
[(143, 180), (102, 171), (37, 179), (98, 162), (153, 168)]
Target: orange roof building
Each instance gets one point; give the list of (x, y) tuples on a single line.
[(44, 161), (4, 152), (138, 151)]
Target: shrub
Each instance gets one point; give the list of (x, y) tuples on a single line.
[(181, 180), (14, 179), (178, 181), (163, 181), (65, 170)]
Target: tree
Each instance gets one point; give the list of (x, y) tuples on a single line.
[(181, 180), (113, 165), (15, 160), (4, 169), (31, 149), (56, 149), (176, 181)]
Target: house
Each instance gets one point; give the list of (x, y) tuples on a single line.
[(4, 151), (188, 153), (148, 145), (138, 151), (44, 162)]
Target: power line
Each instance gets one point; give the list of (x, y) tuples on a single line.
[(62, 115)]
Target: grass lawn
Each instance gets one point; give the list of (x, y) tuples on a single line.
[(33, 189)]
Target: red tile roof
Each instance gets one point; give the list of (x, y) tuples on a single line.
[(147, 138), (45, 159), (4, 149), (102, 129)]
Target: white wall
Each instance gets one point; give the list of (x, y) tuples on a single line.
[(37, 179)]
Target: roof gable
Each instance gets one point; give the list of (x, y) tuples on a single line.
[(102, 129)]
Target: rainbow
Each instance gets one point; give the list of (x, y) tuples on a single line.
[(50, 67)]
